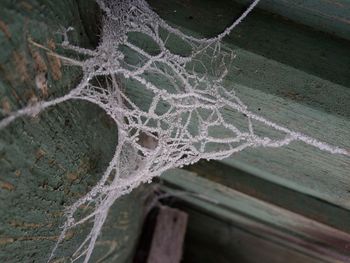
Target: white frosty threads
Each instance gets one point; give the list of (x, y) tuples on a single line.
[(186, 105)]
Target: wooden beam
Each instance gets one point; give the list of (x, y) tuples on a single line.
[(272, 76), (286, 71), (331, 16), (279, 195), (48, 162), (168, 237), (246, 229)]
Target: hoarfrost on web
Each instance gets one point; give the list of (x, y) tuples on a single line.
[(177, 126)]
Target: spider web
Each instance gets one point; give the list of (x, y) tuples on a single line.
[(178, 126)]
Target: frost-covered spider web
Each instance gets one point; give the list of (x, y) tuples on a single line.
[(175, 124)]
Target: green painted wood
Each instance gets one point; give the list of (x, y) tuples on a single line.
[(291, 73), (275, 38), (49, 161), (245, 229), (279, 83), (279, 195), (331, 16)]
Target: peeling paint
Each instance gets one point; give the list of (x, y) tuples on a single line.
[(7, 186), (5, 105), (84, 167), (21, 66), (25, 225), (18, 173), (6, 240), (41, 83), (40, 64), (41, 72), (54, 62), (40, 153), (4, 28)]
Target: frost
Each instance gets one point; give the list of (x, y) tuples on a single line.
[(187, 97)]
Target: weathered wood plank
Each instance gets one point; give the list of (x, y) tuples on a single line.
[(283, 91), (282, 85), (168, 236), (331, 16), (276, 194), (246, 229), (272, 37), (47, 162)]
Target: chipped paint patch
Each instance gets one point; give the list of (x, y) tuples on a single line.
[(54, 62), (6, 240), (4, 28), (41, 83), (40, 153), (72, 176), (40, 64), (21, 66), (33, 100), (5, 105), (25, 225), (7, 186), (84, 167), (41, 73), (18, 173)]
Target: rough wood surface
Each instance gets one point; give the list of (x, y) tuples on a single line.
[(294, 76), (331, 16), (226, 225), (279, 195), (291, 73), (168, 236), (49, 161)]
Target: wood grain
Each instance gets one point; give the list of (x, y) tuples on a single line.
[(230, 226), (168, 236), (48, 162)]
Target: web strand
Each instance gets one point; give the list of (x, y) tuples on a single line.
[(188, 102)]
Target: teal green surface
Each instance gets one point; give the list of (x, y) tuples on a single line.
[(49, 161), (291, 73)]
